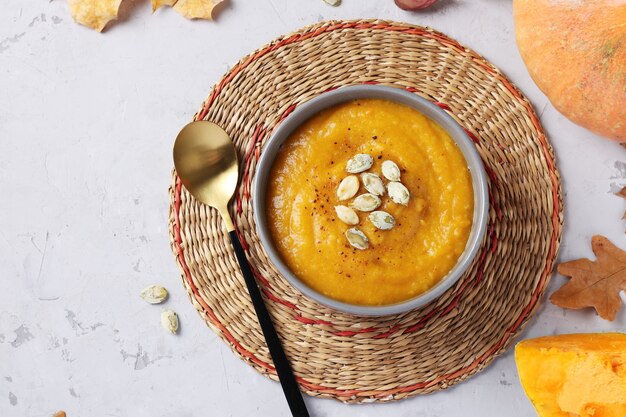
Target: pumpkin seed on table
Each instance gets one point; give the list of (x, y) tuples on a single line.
[(359, 163), (169, 321), (333, 2), (347, 215), (391, 171), (373, 183), (348, 187), (366, 202), (357, 239), (398, 193), (382, 220), (154, 294)]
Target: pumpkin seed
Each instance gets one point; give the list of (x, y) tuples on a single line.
[(373, 183), (398, 193), (391, 171), (357, 238), (348, 187), (169, 321), (347, 215), (333, 2), (382, 220), (366, 202), (154, 294), (359, 163)]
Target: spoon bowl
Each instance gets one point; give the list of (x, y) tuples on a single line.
[(206, 162)]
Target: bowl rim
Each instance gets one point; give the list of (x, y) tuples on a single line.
[(304, 112)]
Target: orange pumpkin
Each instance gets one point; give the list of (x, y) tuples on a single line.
[(575, 50)]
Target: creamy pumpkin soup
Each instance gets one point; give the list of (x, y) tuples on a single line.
[(370, 202)]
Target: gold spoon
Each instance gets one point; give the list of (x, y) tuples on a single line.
[(206, 162)]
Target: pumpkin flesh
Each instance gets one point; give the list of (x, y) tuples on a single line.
[(575, 375)]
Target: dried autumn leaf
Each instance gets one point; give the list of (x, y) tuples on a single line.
[(196, 9), (594, 283), (160, 3), (94, 14)]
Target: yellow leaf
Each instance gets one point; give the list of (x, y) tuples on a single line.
[(196, 9), (94, 14), (160, 3)]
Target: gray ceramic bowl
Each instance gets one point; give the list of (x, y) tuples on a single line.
[(329, 99)]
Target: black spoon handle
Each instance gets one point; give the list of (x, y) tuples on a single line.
[(283, 369)]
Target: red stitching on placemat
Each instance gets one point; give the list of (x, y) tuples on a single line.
[(307, 320), (388, 333), (469, 132), (272, 297), (287, 112), (444, 106), (263, 281), (555, 214), (350, 333)]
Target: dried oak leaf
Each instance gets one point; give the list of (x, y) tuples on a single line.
[(191, 9), (594, 283), (94, 14)]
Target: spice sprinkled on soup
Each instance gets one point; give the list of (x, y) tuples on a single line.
[(370, 202)]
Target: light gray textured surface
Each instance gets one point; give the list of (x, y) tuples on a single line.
[(87, 122)]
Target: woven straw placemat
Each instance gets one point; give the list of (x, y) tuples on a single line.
[(358, 359)]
